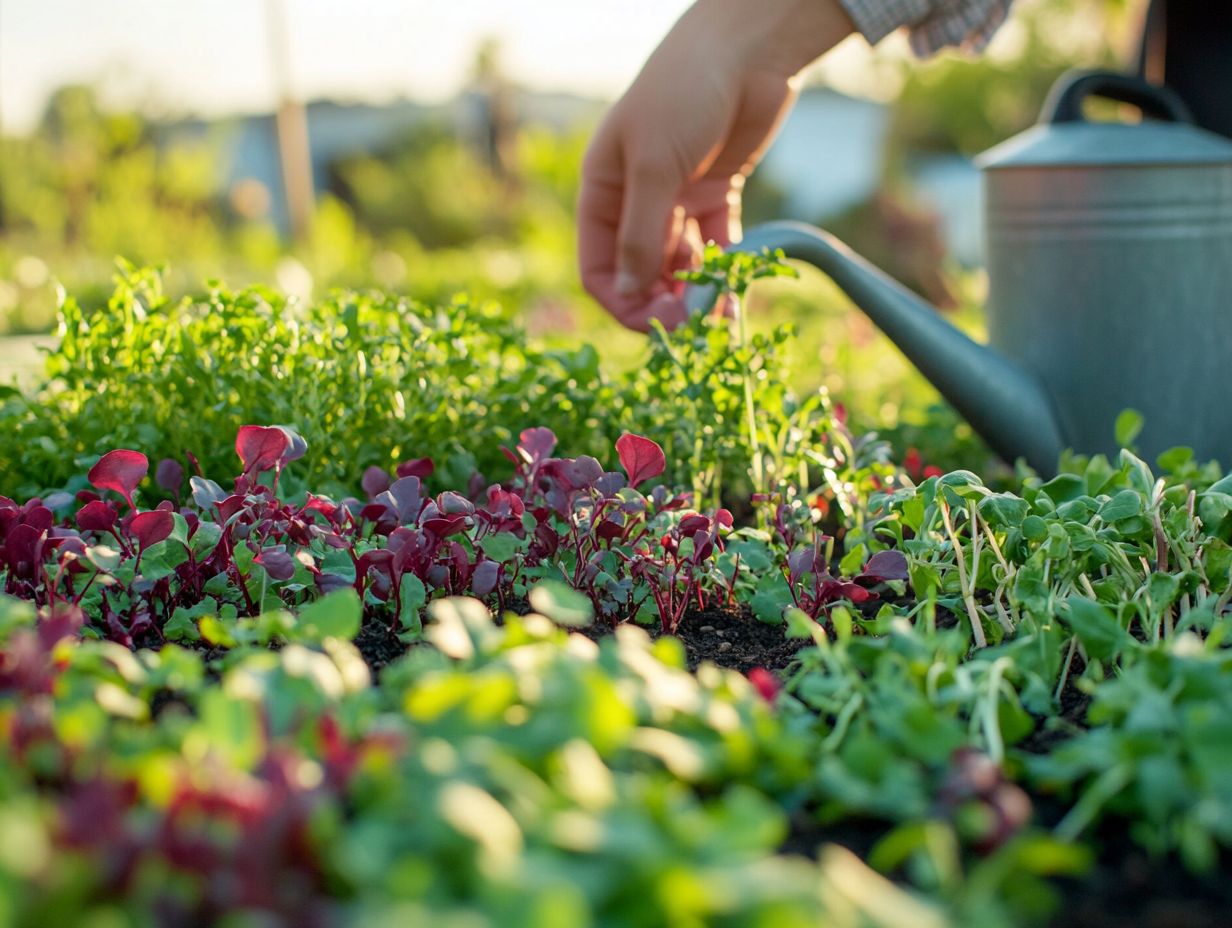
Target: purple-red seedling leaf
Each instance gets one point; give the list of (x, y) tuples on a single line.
[(169, 475), (641, 458), (37, 516), (484, 578), (609, 529), (22, 550), (96, 516), (536, 444), (381, 513), (800, 562), (610, 483), (261, 448), (149, 528), (451, 503), (842, 589), (327, 583), (277, 563), (885, 565), (379, 558), (407, 496), (444, 526), (418, 467), (584, 471), (375, 481), (723, 518), (121, 471), (296, 446), (766, 683), (693, 523)]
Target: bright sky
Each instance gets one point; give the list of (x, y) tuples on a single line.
[(213, 55)]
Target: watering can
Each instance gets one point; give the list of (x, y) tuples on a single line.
[(1109, 255)]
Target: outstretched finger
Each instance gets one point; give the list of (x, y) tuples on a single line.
[(644, 239)]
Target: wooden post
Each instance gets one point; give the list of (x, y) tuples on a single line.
[(291, 125)]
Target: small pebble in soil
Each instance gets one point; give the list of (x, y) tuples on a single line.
[(706, 628), (725, 646)]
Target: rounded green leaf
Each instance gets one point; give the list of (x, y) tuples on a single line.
[(562, 604), (337, 615)]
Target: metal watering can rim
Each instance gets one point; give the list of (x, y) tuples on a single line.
[(1064, 138)]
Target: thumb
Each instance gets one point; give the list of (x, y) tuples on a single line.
[(646, 217)]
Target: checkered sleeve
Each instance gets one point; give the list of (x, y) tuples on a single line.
[(932, 24)]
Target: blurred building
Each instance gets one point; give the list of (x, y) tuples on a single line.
[(248, 145), (828, 157)]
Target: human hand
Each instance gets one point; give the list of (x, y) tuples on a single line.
[(665, 171)]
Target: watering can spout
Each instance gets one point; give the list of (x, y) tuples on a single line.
[(1003, 402)]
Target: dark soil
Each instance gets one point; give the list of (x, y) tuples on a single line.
[(379, 645), (858, 835), (1127, 889), (1071, 718), (731, 637), (736, 639)]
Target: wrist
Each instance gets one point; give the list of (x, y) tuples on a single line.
[(785, 35)]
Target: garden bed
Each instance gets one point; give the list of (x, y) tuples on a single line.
[(518, 683)]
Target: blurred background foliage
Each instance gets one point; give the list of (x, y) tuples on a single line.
[(437, 210)]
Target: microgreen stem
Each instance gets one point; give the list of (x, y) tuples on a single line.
[(1069, 660), (968, 594), (842, 722), (1085, 810), (992, 725), (750, 407)]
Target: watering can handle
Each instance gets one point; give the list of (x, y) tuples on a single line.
[(1064, 103)]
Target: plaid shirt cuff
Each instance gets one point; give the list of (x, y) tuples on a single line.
[(933, 24)]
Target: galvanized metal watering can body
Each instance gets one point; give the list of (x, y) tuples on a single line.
[(1109, 251)]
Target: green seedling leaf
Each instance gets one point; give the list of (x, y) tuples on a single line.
[(1172, 460), (1034, 529), (104, 557), (772, 596), (840, 618), (1030, 589), (1003, 510), (412, 596), (501, 546), (799, 625), (215, 632), (1065, 487), (337, 615), (754, 555), (1164, 589), (182, 626), (925, 578), (1096, 626), (1128, 427), (1218, 562), (853, 561), (161, 559), (1138, 471), (231, 727), (205, 539), (1124, 505), (15, 614), (561, 603)]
